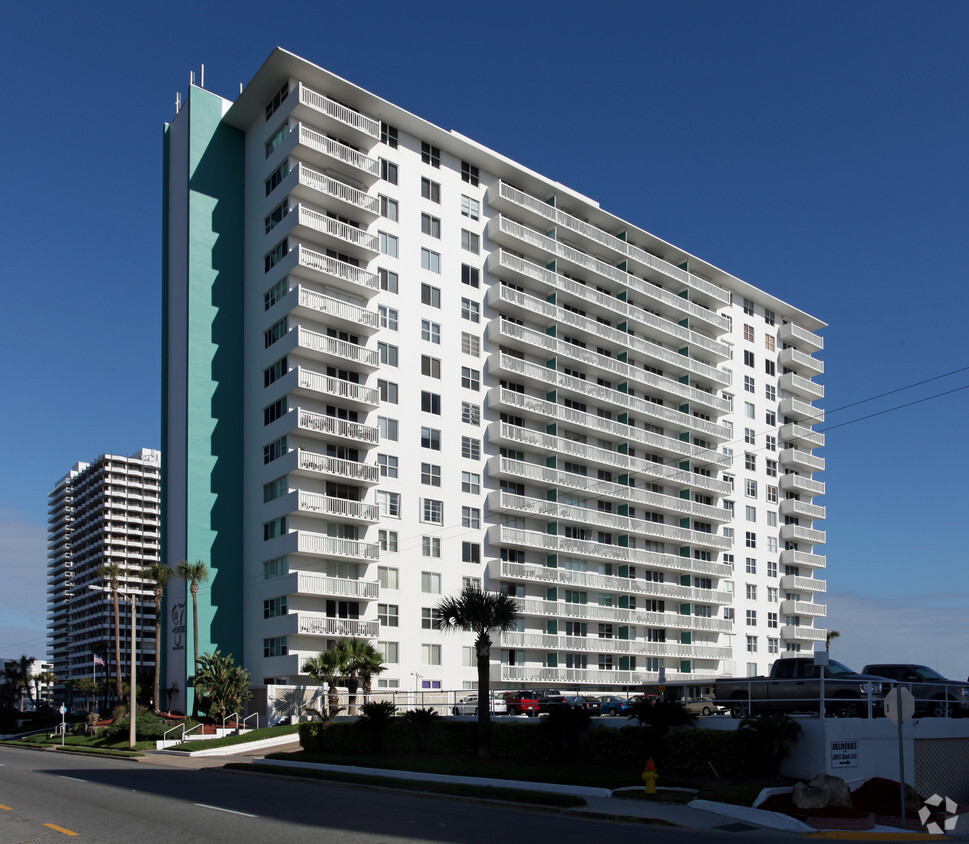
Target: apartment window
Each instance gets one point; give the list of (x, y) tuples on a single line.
[(771, 442), (751, 488), (772, 568), (276, 567), (431, 438), (748, 358), (388, 354), (431, 190), (469, 173), (431, 331), (388, 615), (274, 607), (751, 618), (770, 417), (751, 539), (431, 226), (430, 474), (275, 293), (388, 280), (749, 409), (770, 392), (275, 411), (769, 342), (750, 461), (430, 655), (470, 517), (276, 179), (278, 137), (470, 378), (431, 582), (772, 544), (749, 436), (470, 482), (749, 384), (274, 489), (276, 254), (749, 333), (470, 207), (388, 317), (752, 645), (751, 514), (749, 307), (274, 647), (432, 511), (751, 566), (389, 208), (772, 595), (430, 402), (430, 296), (470, 310), (770, 368), (771, 468), (771, 522), (273, 528), (388, 542), (388, 428), (275, 372), (470, 275), (772, 494), (389, 578), (470, 241), (470, 552), (388, 391), (276, 216), (429, 618), (769, 316), (470, 448), (388, 135), (772, 620), (430, 367), (277, 100), (388, 503), (275, 450), (772, 645), (388, 171), (430, 546), (430, 155), (388, 244), (431, 261), (388, 465), (751, 592), (470, 413)]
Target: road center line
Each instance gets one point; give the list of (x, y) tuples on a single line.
[(229, 811), (60, 829), (70, 778)]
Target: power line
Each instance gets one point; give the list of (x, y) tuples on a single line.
[(896, 407), (899, 390)]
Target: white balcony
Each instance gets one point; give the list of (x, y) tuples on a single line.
[(791, 358), (796, 633), (793, 507), (335, 233), (310, 184), (797, 459), (308, 583), (333, 350), (326, 152), (308, 462), (335, 429), (314, 385), (321, 545), (801, 411), (362, 126), (314, 624), (593, 612), (795, 583), (594, 645), (332, 271), (798, 533), (805, 608), (801, 435), (799, 386), (339, 508), (803, 339), (802, 558), (534, 674), (336, 311), (503, 535), (800, 484)]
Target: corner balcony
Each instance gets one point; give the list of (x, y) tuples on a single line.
[(340, 508), (796, 633), (793, 507), (321, 545), (323, 269), (348, 120), (798, 533), (794, 335), (800, 484), (334, 429), (318, 188), (337, 312), (325, 152), (795, 583), (804, 387), (305, 382), (802, 558), (317, 624), (569, 677), (791, 358), (306, 583), (330, 233), (593, 612), (801, 411), (310, 464), (805, 608), (594, 645), (334, 351), (800, 435), (797, 459)]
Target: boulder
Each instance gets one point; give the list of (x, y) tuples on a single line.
[(822, 791)]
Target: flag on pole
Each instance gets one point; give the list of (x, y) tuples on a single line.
[(98, 660)]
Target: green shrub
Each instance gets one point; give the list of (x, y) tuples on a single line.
[(148, 727)]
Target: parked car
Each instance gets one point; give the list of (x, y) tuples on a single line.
[(548, 699), (522, 702), (703, 706), (935, 696), (468, 705), (612, 705), (589, 704)]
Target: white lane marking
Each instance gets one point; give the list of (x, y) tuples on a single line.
[(70, 778), (229, 811)]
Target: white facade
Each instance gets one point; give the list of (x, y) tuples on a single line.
[(457, 370)]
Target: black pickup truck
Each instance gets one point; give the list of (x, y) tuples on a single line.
[(935, 696)]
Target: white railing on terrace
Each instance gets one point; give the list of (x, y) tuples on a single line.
[(792, 432), (593, 644), (337, 189), (338, 269), (625, 309), (804, 608), (792, 507), (317, 584), (332, 546), (791, 406), (338, 467), (809, 634), (311, 421), (799, 384), (310, 380), (794, 332), (791, 355), (321, 625), (341, 152), (601, 551), (802, 484), (536, 606), (340, 112), (338, 348), (806, 584), (337, 308), (546, 575), (803, 534), (803, 558), (594, 233), (587, 676), (338, 229), (803, 458), (342, 508)]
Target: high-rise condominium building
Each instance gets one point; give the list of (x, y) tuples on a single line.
[(398, 363), (101, 513)]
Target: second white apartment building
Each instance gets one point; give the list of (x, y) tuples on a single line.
[(397, 362)]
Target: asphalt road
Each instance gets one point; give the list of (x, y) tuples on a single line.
[(50, 797)]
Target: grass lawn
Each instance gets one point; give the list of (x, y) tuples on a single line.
[(228, 741)]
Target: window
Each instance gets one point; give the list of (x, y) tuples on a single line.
[(275, 411), (390, 654), (276, 215), (752, 645), (277, 100), (748, 358), (274, 647), (431, 261), (772, 595), (772, 494), (772, 544), (771, 442), (749, 409), (470, 241), (388, 503), (276, 254), (431, 582), (275, 372), (749, 436), (276, 179), (430, 295), (770, 417), (388, 542), (389, 208), (388, 244), (275, 450), (431, 226), (751, 618), (430, 155), (273, 528), (430, 474), (750, 461), (276, 567), (470, 517), (751, 566), (771, 468), (274, 489), (431, 190), (430, 655), (751, 488), (275, 293), (469, 173), (431, 438), (771, 522), (772, 568), (769, 343), (751, 592), (749, 384), (388, 354), (278, 137), (470, 413), (769, 316), (772, 620), (388, 135), (770, 392), (430, 402), (772, 645), (388, 280), (749, 333), (429, 618), (430, 546), (388, 391), (470, 378), (388, 615), (470, 448), (387, 428), (751, 539), (751, 514), (388, 317), (388, 171), (430, 367), (470, 275), (470, 207), (432, 511), (769, 367), (470, 552), (470, 482), (749, 307), (470, 310), (388, 465), (389, 578)]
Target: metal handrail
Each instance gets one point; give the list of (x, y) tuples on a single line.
[(246, 720), (172, 730), (227, 717)]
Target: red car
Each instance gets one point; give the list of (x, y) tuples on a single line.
[(523, 702)]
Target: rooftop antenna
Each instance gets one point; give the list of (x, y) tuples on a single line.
[(240, 87), (202, 77), (178, 101), (191, 77)]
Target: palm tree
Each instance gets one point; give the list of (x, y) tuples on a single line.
[(223, 684), (194, 574), (355, 656), (372, 665), (159, 574), (481, 613), (23, 671), (832, 634), (325, 668), (113, 572)]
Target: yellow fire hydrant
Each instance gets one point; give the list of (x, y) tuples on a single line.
[(649, 776)]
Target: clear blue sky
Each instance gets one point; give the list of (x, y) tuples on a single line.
[(817, 150)]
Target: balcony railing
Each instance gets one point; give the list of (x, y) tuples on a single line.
[(534, 674), (794, 632), (793, 359), (802, 558), (337, 387), (794, 583), (342, 428), (794, 335), (338, 190), (337, 348), (793, 507), (339, 152), (593, 644), (798, 533), (335, 228), (321, 625), (341, 270), (336, 467), (316, 584), (796, 457), (792, 383), (801, 434), (803, 608), (339, 112), (337, 308), (341, 508), (801, 411), (798, 483), (332, 546), (593, 612)]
